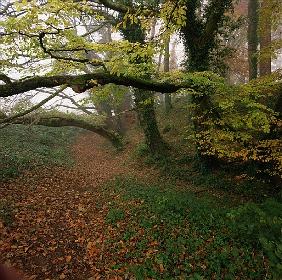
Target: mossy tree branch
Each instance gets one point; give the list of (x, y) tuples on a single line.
[(81, 83), (61, 121)]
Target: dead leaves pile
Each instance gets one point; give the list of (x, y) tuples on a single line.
[(58, 226)]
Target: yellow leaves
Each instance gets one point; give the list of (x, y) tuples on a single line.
[(93, 82), (243, 154), (173, 14), (243, 115), (62, 276), (234, 133), (92, 249), (162, 268)]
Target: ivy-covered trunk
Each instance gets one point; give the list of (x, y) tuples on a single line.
[(198, 57), (198, 49), (204, 19), (198, 61), (144, 100)]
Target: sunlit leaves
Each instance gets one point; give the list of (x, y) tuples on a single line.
[(132, 59), (236, 126), (173, 14)]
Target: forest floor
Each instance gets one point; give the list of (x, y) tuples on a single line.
[(58, 215), (111, 217)]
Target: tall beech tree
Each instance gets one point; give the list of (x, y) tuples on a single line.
[(167, 99), (265, 20), (144, 100), (253, 40)]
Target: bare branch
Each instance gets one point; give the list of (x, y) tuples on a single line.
[(52, 55), (5, 79), (79, 107), (80, 83), (33, 108), (61, 121), (5, 8)]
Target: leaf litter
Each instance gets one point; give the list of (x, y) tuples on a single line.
[(58, 229)]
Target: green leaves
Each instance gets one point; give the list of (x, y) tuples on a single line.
[(262, 223), (232, 121), (172, 234), (23, 147)]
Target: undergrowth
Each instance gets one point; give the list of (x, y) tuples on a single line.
[(165, 233), (182, 162), (24, 147), (178, 166)]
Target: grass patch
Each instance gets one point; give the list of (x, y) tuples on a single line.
[(114, 215), (24, 147), (172, 234), (6, 213)]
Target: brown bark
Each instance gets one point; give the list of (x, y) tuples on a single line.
[(167, 98), (144, 101), (113, 137), (253, 38), (265, 41)]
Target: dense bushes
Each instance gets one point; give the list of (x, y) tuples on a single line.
[(238, 124)]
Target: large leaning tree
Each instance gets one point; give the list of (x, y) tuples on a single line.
[(53, 38), (54, 44), (58, 41), (49, 32)]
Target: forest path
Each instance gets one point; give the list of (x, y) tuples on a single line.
[(58, 215)]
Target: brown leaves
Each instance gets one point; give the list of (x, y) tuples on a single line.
[(92, 249), (58, 231)]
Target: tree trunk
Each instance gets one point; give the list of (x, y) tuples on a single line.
[(173, 56), (123, 114), (198, 54), (167, 98), (265, 40), (144, 101), (253, 38), (199, 57)]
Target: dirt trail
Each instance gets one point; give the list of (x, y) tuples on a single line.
[(59, 216)]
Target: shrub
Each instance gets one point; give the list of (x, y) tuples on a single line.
[(262, 226)]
